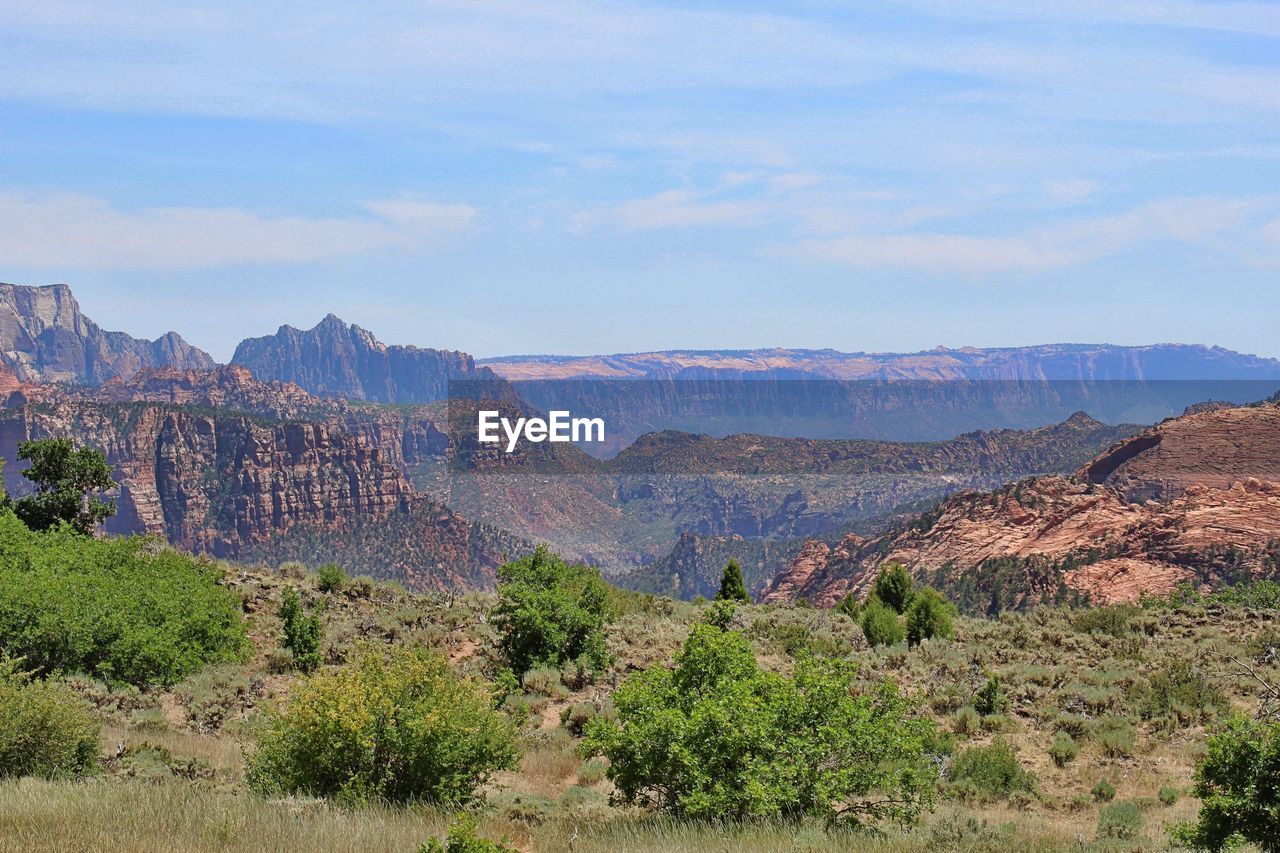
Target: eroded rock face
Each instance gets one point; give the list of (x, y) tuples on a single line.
[(337, 360), (45, 338), (1212, 446), (1215, 471)]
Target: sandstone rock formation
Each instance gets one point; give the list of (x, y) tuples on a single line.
[(337, 360), (45, 338), (1100, 534)]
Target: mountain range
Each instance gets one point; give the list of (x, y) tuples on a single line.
[(811, 467)]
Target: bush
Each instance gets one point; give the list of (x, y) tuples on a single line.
[(992, 770), (549, 612), (123, 609), (331, 578), (45, 729), (1120, 821), (1237, 787), (464, 837), (1178, 693), (1064, 749), (395, 726), (1104, 791), (966, 721), (850, 606), (1168, 796), (302, 631), (1115, 736), (880, 625), (894, 587), (732, 586), (928, 616), (719, 738), (1116, 620), (990, 699)]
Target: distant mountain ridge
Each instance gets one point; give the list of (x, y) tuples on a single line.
[(335, 359), (45, 338), (1094, 362)]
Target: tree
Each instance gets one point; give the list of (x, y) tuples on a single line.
[(719, 738), (68, 483), (1238, 783), (850, 606), (732, 586), (550, 612), (395, 726), (880, 625), (302, 631), (895, 587), (928, 616)]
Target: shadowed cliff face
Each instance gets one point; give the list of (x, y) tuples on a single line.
[(45, 338), (337, 360), (232, 484), (1197, 497)]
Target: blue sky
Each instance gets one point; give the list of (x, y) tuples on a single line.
[(572, 177)]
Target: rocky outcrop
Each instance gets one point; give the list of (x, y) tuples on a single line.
[(228, 483), (230, 387), (1212, 446), (339, 360), (1196, 497), (45, 338)]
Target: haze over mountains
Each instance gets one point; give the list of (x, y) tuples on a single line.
[(812, 465)]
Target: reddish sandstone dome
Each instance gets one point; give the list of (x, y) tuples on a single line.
[(1196, 496)]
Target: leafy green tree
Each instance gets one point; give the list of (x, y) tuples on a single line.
[(928, 616), (732, 586), (850, 606), (123, 609), (894, 587), (302, 631), (880, 625), (550, 612), (68, 481), (395, 726), (1238, 783), (718, 738)]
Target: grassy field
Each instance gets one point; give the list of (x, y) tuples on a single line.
[(173, 760)]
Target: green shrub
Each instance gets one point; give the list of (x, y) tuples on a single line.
[(990, 699), (1168, 796), (1120, 821), (464, 837), (331, 578), (544, 682), (732, 586), (123, 609), (850, 606), (396, 725), (928, 616), (966, 721), (1236, 782), (894, 587), (1064, 749), (302, 631), (718, 738), (1117, 620), (1178, 693), (549, 612), (993, 770), (45, 729), (1115, 736), (1104, 791), (880, 625)]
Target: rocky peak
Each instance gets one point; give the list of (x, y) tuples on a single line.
[(45, 338)]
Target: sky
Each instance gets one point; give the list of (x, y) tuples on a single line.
[(586, 177)]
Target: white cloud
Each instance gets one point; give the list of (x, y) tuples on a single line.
[(1065, 244), (63, 230)]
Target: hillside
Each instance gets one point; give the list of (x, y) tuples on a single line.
[(1099, 534)]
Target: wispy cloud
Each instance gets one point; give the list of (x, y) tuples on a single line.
[(70, 230)]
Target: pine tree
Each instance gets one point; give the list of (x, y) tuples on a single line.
[(732, 586)]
